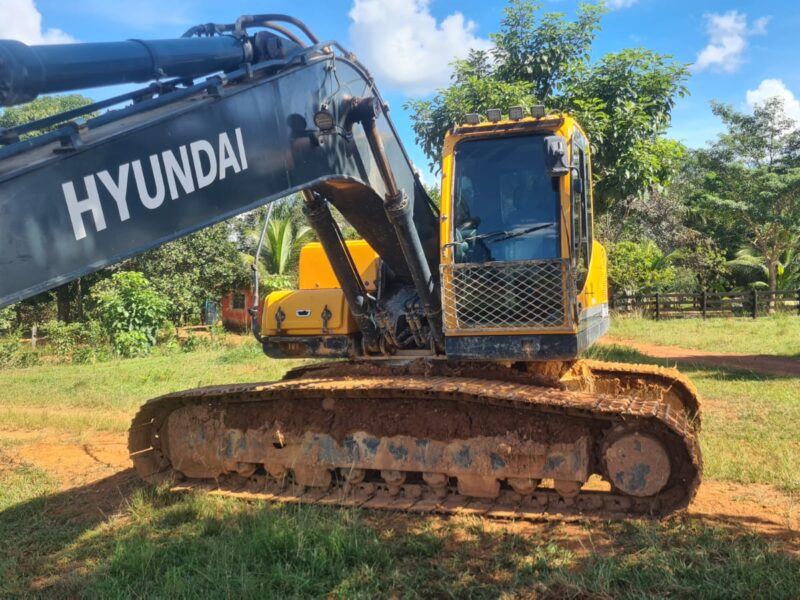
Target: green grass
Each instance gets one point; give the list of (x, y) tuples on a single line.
[(194, 546), (104, 396), (778, 335), (750, 421), (135, 541)]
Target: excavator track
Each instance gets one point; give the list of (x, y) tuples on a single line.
[(418, 436)]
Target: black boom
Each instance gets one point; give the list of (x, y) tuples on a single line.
[(185, 155)]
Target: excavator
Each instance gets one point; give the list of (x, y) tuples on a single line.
[(448, 340)]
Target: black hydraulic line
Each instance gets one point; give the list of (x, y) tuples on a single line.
[(319, 216), (245, 20), (253, 310), (399, 212), (211, 29), (6, 135), (283, 31)]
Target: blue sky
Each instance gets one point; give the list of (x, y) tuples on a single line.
[(742, 51)]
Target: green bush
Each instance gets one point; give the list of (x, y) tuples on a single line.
[(7, 318), (272, 282), (62, 338), (9, 350), (130, 311), (638, 268), (12, 353), (132, 343), (79, 342), (195, 342), (219, 337)]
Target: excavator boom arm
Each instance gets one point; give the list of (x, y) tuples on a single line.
[(96, 192)]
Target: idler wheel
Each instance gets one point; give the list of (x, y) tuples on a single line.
[(636, 463)]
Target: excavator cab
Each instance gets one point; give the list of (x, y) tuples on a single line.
[(521, 276)]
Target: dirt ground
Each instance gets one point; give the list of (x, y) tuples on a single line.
[(96, 473), (759, 363)]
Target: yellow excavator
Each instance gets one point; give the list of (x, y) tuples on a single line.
[(451, 334)]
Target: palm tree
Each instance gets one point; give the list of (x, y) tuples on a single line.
[(753, 267), (283, 243)]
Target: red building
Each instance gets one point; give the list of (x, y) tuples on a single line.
[(234, 309)]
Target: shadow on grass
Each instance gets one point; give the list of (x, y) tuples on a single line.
[(188, 546), (733, 372), (35, 531)]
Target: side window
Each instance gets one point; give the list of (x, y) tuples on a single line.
[(581, 209), (586, 204), (238, 301)]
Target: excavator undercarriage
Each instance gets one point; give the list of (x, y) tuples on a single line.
[(511, 441)]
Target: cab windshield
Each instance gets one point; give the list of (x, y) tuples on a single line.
[(506, 205)]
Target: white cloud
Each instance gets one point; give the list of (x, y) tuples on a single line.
[(771, 88), (617, 4), (22, 21), (760, 26), (403, 45), (728, 37)]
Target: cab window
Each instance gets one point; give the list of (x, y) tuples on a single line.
[(506, 206)]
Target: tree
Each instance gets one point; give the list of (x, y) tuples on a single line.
[(46, 106), (658, 215), (131, 311), (287, 232), (205, 265), (434, 193), (752, 268), (703, 261), (283, 242), (625, 103), (624, 100), (748, 183), (7, 318), (638, 268), (69, 297)]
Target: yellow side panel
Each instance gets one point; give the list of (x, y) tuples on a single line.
[(595, 290), (316, 272), (303, 312)]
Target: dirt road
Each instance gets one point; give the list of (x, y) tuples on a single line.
[(759, 363)]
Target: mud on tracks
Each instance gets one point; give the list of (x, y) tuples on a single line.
[(97, 468)]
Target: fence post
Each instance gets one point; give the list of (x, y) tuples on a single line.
[(755, 303), (33, 336), (658, 307), (704, 301)]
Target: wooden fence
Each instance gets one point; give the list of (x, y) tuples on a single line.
[(752, 303)]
